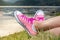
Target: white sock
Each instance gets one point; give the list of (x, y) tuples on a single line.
[(33, 27)]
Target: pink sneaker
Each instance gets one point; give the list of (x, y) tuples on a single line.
[(39, 15), (26, 22)]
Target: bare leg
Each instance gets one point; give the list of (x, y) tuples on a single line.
[(48, 24), (55, 31)]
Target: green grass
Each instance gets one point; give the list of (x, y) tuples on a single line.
[(24, 36)]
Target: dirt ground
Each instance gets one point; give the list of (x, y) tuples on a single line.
[(8, 25)]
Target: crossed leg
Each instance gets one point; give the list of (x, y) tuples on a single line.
[(55, 31), (52, 25)]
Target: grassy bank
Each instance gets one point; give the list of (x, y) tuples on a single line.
[(24, 36)]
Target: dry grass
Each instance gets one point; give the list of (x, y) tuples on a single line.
[(24, 36)]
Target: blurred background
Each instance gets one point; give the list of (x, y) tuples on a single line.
[(48, 10), (30, 2)]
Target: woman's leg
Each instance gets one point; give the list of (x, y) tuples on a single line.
[(55, 31), (48, 24)]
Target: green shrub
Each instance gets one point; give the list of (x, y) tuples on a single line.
[(57, 14)]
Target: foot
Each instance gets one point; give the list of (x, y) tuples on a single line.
[(26, 22), (39, 15)]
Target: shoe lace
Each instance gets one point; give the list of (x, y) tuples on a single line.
[(29, 20)]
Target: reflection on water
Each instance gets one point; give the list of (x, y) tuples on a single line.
[(10, 1)]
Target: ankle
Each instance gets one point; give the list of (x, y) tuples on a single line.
[(38, 25)]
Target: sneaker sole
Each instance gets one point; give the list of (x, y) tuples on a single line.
[(21, 23)]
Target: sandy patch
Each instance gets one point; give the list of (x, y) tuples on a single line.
[(8, 25)]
